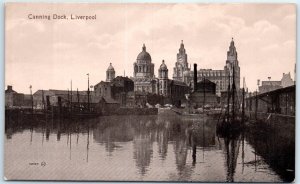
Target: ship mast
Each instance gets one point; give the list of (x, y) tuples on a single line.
[(243, 102), (228, 97), (233, 93)]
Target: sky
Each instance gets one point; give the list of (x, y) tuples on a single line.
[(48, 54)]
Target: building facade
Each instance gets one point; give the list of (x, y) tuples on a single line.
[(163, 79), (222, 78), (116, 90), (181, 65), (204, 95), (14, 99), (174, 91), (285, 81), (143, 75), (110, 73)]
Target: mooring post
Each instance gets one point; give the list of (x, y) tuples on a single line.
[(256, 105), (286, 103), (59, 106), (31, 99)]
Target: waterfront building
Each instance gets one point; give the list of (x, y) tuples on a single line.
[(143, 75), (181, 66), (43, 99), (173, 91), (204, 93), (9, 96), (279, 101), (116, 89), (14, 99), (108, 105), (122, 84), (220, 77), (145, 82), (103, 89)]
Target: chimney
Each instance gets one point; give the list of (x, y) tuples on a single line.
[(9, 88), (195, 77)]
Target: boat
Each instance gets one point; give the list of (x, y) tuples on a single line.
[(231, 121)]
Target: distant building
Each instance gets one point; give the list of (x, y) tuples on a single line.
[(220, 77), (143, 75), (146, 82), (9, 96), (285, 81), (108, 105), (181, 68), (103, 89), (163, 79), (14, 99), (269, 86), (110, 73), (174, 91), (204, 93), (115, 88), (45, 99), (122, 84), (146, 86)]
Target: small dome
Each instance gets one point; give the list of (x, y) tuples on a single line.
[(145, 56), (110, 67), (163, 66)]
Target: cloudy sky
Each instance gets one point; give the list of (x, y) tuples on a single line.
[(48, 54)]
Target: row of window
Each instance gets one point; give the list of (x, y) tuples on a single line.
[(212, 74), (144, 69), (162, 84)]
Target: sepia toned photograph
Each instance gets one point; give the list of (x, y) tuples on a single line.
[(150, 92)]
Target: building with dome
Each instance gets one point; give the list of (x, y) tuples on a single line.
[(146, 83), (143, 75), (163, 79), (114, 88), (173, 91), (110, 73)]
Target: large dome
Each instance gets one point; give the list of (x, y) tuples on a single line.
[(144, 55)]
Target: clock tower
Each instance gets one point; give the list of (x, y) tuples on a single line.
[(181, 65)]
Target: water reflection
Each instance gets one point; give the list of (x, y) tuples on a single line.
[(159, 147), (143, 144), (275, 144), (163, 133), (231, 152)]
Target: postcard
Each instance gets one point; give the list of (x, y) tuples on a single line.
[(150, 92)]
